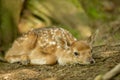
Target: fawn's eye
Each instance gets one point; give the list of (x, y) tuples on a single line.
[(76, 53), (91, 51)]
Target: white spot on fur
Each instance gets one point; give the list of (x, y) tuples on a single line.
[(58, 46), (52, 42)]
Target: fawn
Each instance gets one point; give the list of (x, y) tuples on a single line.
[(49, 46)]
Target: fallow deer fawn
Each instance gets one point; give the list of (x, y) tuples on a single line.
[(49, 46)]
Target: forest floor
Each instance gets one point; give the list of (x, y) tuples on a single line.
[(106, 55)]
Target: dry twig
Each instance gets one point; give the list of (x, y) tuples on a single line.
[(109, 75)]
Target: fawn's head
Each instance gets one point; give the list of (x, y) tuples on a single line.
[(82, 52), (78, 53)]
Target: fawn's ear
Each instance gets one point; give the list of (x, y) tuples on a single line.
[(91, 39)]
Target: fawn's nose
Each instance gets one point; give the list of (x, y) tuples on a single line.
[(92, 61)]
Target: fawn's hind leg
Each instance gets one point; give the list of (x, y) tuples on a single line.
[(21, 48), (18, 58), (38, 58)]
